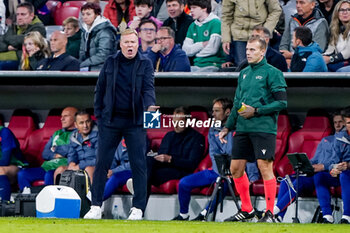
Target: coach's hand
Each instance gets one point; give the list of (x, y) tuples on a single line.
[(248, 112), (223, 134), (152, 108)]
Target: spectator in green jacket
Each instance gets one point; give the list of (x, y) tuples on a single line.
[(11, 42), (73, 32)]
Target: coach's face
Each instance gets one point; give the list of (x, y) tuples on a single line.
[(254, 52), (129, 45)]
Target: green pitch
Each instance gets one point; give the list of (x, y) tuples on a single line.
[(34, 225)]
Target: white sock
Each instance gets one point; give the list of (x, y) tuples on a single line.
[(184, 215), (276, 210), (329, 218), (204, 212), (346, 217)]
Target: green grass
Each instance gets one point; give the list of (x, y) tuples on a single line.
[(34, 225)]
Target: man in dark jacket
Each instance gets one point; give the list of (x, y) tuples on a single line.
[(60, 60), (124, 90), (11, 42), (178, 20), (165, 55)]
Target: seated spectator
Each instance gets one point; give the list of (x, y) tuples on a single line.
[(203, 39), (55, 154), (160, 10), (320, 163), (60, 60), (11, 160), (98, 38), (337, 54), (179, 153), (35, 48), (147, 35), (307, 55), (221, 111), (120, 13), (309, 16), (339, 175), (272, 56), (73, 32), (120, 171), (178, 20), (143, 10), (327, 8), (166, 56), (11, 42), (82, 147)]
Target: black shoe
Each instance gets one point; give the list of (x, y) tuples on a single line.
[(267, 217), (180, 218), (241, 216), (324, 220), (200, 217), (344, 221)]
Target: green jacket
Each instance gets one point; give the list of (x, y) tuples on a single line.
[(240, 16), (73, 45), (261, 86), (15, 37)]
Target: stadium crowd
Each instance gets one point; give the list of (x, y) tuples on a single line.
[(211, 34)]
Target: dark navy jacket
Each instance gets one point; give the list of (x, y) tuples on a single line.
[(175, 61), (64, 62), (83, 151), (186, 149), (143, 94)]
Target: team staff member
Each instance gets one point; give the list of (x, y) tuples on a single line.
[(124, 90), (255, 115)]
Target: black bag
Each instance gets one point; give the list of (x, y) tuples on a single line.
[(25, 205), (7, 208), (80, 182), (299, 61)]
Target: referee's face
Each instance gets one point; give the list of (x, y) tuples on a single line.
[(254, 52)]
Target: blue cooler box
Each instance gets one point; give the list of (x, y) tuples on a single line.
[(56, 201)]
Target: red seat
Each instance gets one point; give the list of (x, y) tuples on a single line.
[(52, 6), (63, 12), (22, 125), (38, 139), (283, 131), (78, 4), (155, 136), (305, 140)]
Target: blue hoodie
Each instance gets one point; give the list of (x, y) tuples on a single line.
[(121, 158), (83, 151), (315, 62), (341, 148), (324, 152)]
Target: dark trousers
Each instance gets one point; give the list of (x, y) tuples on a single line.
[(109, 137)]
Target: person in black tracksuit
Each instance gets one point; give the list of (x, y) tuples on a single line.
[(124, 90)]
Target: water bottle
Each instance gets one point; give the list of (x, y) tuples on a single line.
[(115, 212)]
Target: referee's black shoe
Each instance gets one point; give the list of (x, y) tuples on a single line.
[(241, 216), (267, 217)]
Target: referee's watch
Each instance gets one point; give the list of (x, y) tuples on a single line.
[(256, 112)]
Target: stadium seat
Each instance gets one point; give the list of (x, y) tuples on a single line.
[(50, 29), (52, 5), (63, 12), (22, 124), (284, 129), (305, 140), (38, 139), (78, 4), (155, 136)]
